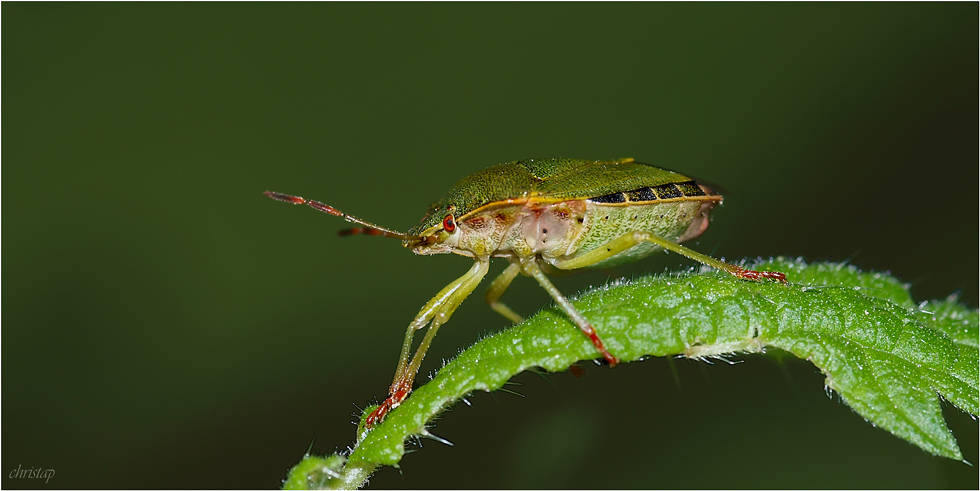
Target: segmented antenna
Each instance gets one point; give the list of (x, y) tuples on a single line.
[(368, 227)]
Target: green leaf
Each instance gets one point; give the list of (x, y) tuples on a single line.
[(887, 357)]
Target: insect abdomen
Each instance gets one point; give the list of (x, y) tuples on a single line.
[(676, 212)]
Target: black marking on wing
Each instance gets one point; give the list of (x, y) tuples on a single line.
[(690, 188), (663, 191), (667, 191), (609, 198), (642, 194)]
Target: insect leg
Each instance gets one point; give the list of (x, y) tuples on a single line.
[(497, 289), (531, 267), (437, 310), (470, 281), (631, 239), (431, 308), (731, 269)]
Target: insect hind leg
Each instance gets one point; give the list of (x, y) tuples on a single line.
[(630, 239)]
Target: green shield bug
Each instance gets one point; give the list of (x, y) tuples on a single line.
[(545, 215)]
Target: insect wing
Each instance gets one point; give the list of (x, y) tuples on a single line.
[(594, 179)]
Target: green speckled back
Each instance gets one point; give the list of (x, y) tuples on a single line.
[(550, 178)]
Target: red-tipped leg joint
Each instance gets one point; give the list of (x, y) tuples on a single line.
[(610, 359), (749, 274), (593, 336), (399, 392)]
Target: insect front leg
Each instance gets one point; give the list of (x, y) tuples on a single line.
[(631, 239), (435, 313), (497, 289), (531, 268)]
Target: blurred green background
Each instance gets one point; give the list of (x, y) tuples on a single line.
[(166, 325)]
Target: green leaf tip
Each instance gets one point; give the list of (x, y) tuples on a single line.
[(315, 473), (889, 358)]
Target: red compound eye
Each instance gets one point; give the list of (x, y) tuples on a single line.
[(449, 223)]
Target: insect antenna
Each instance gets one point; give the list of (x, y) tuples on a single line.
[(368, 228), (359, 231)]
